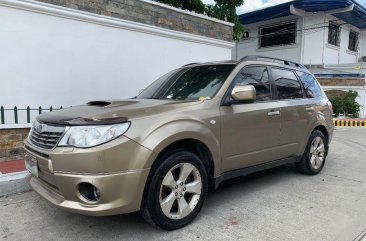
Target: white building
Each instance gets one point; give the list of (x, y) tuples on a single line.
[(327, 36)]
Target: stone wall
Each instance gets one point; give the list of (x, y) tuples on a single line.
[(341, 82), (11, 143), (152, 13)]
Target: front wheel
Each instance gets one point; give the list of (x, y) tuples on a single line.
[(313, 159), (176, 191)]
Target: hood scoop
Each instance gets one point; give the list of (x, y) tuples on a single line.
[(99, 103)]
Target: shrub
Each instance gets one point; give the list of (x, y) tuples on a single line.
[(346, 104)]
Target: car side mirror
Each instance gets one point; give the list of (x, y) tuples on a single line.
[(243, 93)]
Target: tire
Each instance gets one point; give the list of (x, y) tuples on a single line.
[(164, 205), (313, 159)]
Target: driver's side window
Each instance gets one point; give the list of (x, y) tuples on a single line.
[(258, 77)]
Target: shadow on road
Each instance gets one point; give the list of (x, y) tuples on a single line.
[(132, 224)]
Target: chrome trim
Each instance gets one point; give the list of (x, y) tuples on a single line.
[(46, 136)]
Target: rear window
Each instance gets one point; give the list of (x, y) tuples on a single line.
[(310, 84)]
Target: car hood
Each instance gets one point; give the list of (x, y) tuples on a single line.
[(111, 112)]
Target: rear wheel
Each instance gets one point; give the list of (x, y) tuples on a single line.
[(316, 151), (176, 191)]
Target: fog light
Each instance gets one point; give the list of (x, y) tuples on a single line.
[(89, 192)]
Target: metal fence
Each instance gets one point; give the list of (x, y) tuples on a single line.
[(16, 111)]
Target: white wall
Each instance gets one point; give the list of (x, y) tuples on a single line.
[(313, 39), (346, 56), (363, 44), (341, 54), (57, 56), (251, 46)]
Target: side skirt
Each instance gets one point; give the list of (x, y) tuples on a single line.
[(252, 169)]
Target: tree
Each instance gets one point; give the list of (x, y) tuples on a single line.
[(226, 10), (223, 9)]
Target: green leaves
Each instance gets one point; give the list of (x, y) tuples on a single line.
[(223, 9), (346, 104), (226, 10)]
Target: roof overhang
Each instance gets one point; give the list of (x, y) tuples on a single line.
[(348, 11)]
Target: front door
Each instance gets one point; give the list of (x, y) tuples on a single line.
[(250, 132)]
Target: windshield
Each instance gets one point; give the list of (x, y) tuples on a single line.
[(189, 83)]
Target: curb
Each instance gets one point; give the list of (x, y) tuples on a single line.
[(349, 123), (13, 183)]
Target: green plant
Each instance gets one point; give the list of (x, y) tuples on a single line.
[(346, 104)]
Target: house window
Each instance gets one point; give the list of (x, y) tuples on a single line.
[(334, 33), (245, 35), (278, 35), (353, 41)]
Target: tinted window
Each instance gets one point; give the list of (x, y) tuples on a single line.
[(353, 41), (278, 35), (312, 88), (189, 83), (258, 77), (334, 32), (154, 87), (288, 87)]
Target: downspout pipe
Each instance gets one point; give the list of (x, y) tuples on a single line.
[(301, 13)]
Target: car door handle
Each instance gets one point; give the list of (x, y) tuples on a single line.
[(309, 108), (274, 113)]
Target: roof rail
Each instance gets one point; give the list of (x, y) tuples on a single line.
[(274, 60)]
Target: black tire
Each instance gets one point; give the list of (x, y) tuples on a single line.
[(151, 210), (305, 166)]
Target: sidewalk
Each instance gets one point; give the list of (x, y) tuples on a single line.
[(12, 174)]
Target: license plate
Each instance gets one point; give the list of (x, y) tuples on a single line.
[(31, 164)]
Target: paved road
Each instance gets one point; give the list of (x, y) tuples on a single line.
[(278, 204)]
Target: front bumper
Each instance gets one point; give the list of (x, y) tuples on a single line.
[(118, 169), (120, 192)]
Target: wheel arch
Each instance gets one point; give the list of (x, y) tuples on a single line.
[(323, 130), (195, 146), (317, 126), (189, 134)]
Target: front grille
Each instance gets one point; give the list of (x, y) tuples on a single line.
[(46, 136), (36, 152)]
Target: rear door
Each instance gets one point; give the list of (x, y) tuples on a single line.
[(250, 132), (296, 110)]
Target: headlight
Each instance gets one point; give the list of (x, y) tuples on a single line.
[(88, 136)]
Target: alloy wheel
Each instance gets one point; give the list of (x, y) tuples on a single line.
[(317, 152), (180, 191)]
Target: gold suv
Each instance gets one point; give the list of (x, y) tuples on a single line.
[(196, 126)]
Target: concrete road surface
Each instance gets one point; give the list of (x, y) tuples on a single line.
[(278, 204)]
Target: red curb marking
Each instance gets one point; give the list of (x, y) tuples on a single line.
[(12, 166)]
